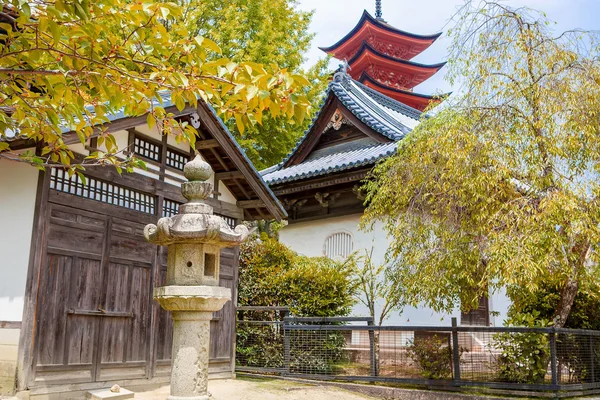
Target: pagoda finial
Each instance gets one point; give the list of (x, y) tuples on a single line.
[(378, 13)]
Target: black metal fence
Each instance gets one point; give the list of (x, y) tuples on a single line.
[(565, 362)]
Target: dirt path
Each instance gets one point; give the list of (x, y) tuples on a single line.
[(264, 389)]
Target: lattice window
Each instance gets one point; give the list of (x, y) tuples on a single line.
[(339, 245), (99, 190), (147, 149), (176, 159), (171, 207), (230, 221)]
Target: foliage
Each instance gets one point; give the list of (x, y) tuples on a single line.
[(524, 357), (66, 64), (265, 32), (374, 287), (573, 351), (433, 356), (500, 188), (585, 313), (271, 274), (316, 352)]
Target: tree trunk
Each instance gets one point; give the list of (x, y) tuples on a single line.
[(567, 298), (569, 291)]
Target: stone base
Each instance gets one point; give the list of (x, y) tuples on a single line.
[(107, 394)]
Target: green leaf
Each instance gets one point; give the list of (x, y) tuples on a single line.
[(240, 123), (150, 120)]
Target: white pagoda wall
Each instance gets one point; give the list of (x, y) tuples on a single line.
[(308, 238)]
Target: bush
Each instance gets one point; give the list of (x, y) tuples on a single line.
[(271, 274), (537, 308), (433, 356), (524, 357)]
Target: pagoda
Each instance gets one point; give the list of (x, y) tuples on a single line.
[(378, 56)]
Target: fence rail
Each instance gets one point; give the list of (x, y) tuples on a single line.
[(563, 361)]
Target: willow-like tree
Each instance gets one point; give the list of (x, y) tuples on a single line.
[(500, 188), (66, 64), (265, 32)]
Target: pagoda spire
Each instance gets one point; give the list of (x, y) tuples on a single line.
[(378, 13)]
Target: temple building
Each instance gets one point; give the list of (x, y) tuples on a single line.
[(368, 109), (76, 296)]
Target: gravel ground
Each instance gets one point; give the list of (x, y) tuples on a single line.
[(262, 389)]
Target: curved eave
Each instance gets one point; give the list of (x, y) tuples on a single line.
[(366, 50), (357, 35), (415, 100)]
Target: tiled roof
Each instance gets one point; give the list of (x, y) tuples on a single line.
[(337, 161), (384, 115), (164, 101)]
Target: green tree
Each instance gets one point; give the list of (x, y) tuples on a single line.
[(500, 189), (66, 64), (265, 32), (377, 291)]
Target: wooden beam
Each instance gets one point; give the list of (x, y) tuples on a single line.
[(322, 182), (250, 204), (212, 123), (315, 133), (221, 176), (207, 144)]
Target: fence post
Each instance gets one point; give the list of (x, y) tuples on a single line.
[(455, 350), (553, 358), (592, 359), (372, 355), (286, 343)]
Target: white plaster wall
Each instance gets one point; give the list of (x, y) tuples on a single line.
[(308, 238), (18, 185)]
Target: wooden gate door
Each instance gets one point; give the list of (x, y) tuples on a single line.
[(94, 305)]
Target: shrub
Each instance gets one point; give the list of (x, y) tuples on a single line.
[(273, 275), (524, 357), (573, 352), (433, 356)]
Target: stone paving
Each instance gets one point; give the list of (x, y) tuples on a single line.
[(264, 389)]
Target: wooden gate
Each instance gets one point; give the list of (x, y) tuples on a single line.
[(96, 320)]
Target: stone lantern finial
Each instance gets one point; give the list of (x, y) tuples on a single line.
[(195, 237)]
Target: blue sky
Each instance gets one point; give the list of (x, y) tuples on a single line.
[(335, 18)]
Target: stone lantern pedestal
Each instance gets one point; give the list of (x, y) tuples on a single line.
[(195, 237)]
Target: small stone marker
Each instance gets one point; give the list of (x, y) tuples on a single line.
[(114, 393)]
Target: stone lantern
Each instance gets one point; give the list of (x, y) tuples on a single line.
[(195, 237)]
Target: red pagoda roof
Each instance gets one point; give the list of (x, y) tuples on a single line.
[(390, 71), (384, 37), (415, 100)]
